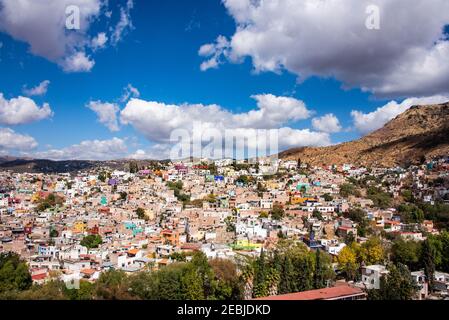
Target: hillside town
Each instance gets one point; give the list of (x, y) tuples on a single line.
[(363, 224)]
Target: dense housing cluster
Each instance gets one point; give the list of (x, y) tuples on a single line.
[(226, 229)]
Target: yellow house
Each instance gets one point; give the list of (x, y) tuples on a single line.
[(300, 200), (271, 184), (79, 226)]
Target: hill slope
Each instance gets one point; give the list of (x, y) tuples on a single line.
[(421, 131)]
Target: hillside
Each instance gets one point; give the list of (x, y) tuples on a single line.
[(420, 132)]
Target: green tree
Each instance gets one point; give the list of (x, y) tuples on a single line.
[(348, 189), (317, 214), (85, 291), (91, 241), (123, 195), (398, 284), (133, 167), (102, 176), (227, 284), (14, 274), (277, 212), (141, 213), (112, 285), (428, 259), (319, 275), (52, 290), (380, 198), (406, 252)]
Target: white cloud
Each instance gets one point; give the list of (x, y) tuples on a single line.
[(289, 138), (99, 41), (106, 112), (406, 57), (12, 141), (22, 110), (157, 152), (78, 62), (39, 90), (42, 24), (214, 52), (368, 122), (124, 24), (157, 120), (114, 148), (129, 91), (328, 123)]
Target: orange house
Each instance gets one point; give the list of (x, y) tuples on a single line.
[(170, 236)]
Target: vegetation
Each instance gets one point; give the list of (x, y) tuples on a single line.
[(277, 212), (14, 275), (354, 255), (141, 213), (380, 198), (291, 267), (398, 284), (348, 189), (133, 167), (91, 241), (49, 202), (177, 188)]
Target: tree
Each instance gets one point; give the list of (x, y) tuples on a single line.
[(277, 212), (201, 265), (347, 189), (54, 233), (287, 276), (317, 214), (327, 197), (263, 214), (112, 285), (230, 224), (102, 176), (133, 167), (428, 258), (406, 252), (123, 195), (371, 251), (228, 286), (349, 238), (319, 278), (91, 241), (243, 180), (407, 195), (398, 284), (380, 198), (260, 284), (261, 187), (410, 213), (141, 213), (347, 262), (85, 291), (52, 290), (14, 274)]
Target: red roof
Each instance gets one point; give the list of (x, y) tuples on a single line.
[(337, 292), (40, 276)]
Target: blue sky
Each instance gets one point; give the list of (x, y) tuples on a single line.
[(158, 55)]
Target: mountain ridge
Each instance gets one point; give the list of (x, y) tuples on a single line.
[(419, 132)]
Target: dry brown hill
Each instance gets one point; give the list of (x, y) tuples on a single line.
[(420, 132)]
